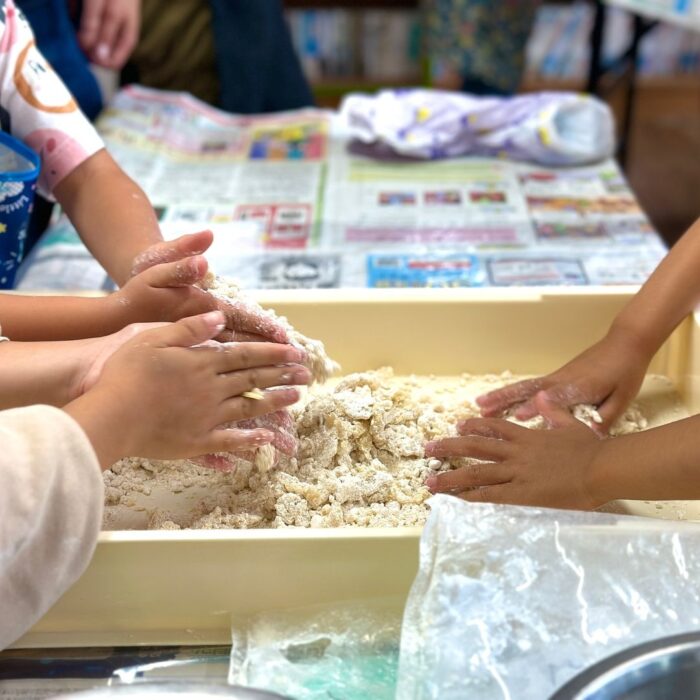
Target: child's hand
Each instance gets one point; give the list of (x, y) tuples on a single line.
[(164, 292), (94, 352), (242, 323), (607, 375), (159, 396), (552, 468)]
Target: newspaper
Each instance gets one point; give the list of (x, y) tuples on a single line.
[(293, 204)]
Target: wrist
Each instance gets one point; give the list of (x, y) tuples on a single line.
[(638, 340), (102, 418), (599, 480), (117, 311), (610, 476)]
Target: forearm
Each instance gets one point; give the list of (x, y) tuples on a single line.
[(670, 294), (38, 373), (111, 212), (658, 464), (34, 318)]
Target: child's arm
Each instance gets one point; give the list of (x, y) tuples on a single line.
[(610, 373), (40, 373), (161, 293), (569, 466), (110, 211), (56, 373), (156, 397)]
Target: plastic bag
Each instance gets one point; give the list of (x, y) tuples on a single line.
[(341, 650), (512, 602), (551, 128)]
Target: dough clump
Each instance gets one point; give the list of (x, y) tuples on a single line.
[(360, 460)]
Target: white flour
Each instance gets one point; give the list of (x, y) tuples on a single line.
[(321, 366), (359, 463)]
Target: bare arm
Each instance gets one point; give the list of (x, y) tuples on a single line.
[(668, 296), (110, 211), (610, 372), (658, 464), (34, 318), (39, 373)]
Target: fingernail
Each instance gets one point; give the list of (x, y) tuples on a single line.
[(216, 317), (102, 52), (429, 449), (297, 355), (262, 438), (302, 375), (431, 482), (292, 395)]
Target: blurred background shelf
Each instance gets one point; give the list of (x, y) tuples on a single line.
[(351, 4)]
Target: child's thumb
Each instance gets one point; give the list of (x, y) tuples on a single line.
[(556, 415), (176, 274), (190, 331), (171, 251)]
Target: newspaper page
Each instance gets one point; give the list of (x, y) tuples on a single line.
[(293, 204)]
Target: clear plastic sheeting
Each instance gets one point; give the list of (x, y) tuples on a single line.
[(510, 602), (343, 651)]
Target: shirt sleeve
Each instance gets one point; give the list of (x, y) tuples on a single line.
[(51, 500), (43, 113)]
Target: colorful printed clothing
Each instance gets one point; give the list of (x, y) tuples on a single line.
[(482, 41), (42, 112)]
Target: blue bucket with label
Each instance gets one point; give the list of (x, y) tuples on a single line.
[(19, 171)]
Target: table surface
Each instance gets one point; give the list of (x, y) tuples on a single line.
[(293, 205)]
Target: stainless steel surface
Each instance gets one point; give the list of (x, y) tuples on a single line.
[(180, 691), (664, 669)]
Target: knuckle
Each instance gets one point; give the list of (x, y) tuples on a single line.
[(244, 354), (474, 473), (253, 379)]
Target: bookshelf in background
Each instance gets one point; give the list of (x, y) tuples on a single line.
[(558, 51), (362, 45)]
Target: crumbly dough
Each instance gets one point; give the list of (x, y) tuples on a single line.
[(360, 461), (264, 458), (320, 365)]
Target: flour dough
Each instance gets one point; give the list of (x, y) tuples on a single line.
[(360, 459), (320, 365)]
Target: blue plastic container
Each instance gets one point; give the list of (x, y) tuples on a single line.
[(19, 171)]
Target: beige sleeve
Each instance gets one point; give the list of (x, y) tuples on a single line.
[(51, 496)]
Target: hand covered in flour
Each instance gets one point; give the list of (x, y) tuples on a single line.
[(242, 322), (552, 468), (284, 441), (165, 393), (163, 292), (607, 375), (109, 30)]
